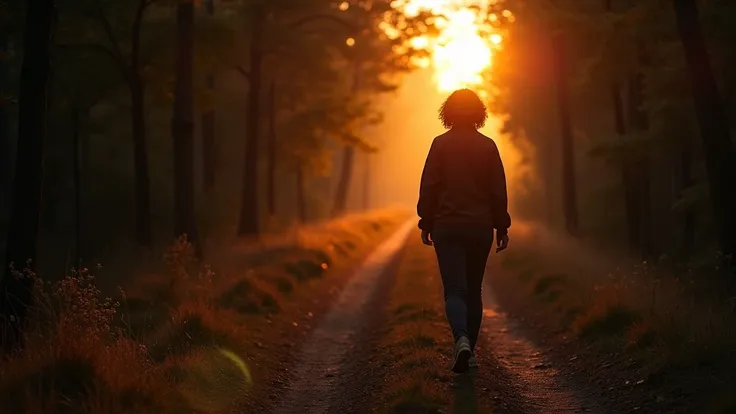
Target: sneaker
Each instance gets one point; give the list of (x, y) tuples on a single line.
[(462, 355), (472, 362)]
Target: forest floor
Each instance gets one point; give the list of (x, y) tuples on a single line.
[(348, 317)]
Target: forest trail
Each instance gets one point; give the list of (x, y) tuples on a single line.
[(324, 361), (334, 374), (527, 380)]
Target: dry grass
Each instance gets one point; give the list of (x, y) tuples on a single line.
[(417, 338), (660, 319), (177, 341)]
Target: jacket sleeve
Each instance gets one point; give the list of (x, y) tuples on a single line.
[(499, 195), (429, 189)]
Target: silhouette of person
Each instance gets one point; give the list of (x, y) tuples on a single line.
[(462, 200)]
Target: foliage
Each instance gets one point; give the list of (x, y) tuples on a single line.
[(607, 43), (319, 106)]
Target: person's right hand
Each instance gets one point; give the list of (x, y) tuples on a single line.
[(502, 242)]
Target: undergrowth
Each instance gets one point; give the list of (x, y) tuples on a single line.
[(662, 319), (172, 342)]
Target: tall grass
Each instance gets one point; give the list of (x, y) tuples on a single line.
[(676, 320), (172, 341)]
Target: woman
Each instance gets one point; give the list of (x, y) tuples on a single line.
[(462, 200)]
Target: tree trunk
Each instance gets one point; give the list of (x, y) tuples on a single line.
[(249, 217), (209, 158), (140, 160), (77, 187), (208, 143), (348, 156), (367, 183), (628, 180), (569, 190), (182, 127), (140, 151), (271, 179), (720, 159), (686, 180), (6, 171), (641, 168), (15, 294), (343, 184), (301, 196)]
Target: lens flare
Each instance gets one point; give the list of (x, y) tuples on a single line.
[(213, 380)]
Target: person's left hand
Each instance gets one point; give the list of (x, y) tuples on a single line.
[(427, 238)]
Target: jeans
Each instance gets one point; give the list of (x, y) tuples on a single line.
[(462, 254)]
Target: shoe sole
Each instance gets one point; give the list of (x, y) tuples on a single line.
[(460, 365)]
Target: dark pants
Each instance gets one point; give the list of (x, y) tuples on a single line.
[(462, 254)]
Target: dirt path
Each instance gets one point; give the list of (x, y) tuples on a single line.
[(335, 374), (317, 381), (524, 377)]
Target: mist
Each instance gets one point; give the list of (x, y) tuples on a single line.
[(410, 124)]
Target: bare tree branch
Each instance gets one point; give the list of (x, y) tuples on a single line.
[(241, 70), (114, 44)]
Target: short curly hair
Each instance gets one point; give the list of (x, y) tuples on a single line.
[(463, 108)]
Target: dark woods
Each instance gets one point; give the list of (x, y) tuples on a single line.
[(33, 97), (629, 108), (139, 119)]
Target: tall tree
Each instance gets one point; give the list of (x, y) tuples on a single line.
[(569, 187), (640, 174), (271, 159), (720, 156), (208, 126), (5, 98), (182, 126), (77, 179), (367, 182), (248, 222), (127, 54), (15, 293), (628, 175), (301, 195), (344, 179)]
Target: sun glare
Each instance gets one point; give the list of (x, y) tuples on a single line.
[(459, 54)]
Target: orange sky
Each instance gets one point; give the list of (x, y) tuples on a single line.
[(409, 126), (458, 57)]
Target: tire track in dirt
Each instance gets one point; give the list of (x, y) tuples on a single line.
[(318, 380)]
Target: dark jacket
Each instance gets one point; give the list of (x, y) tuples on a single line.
[(463, 183)]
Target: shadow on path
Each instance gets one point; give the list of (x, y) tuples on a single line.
[(525, 379), (464, 396)]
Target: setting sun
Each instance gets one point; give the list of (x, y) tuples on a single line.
[(459, 54)]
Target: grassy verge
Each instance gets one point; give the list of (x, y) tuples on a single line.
[(670, 335), (191, 339), (416, 338), (415, 348)]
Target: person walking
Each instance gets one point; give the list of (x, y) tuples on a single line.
[(462, 200)]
